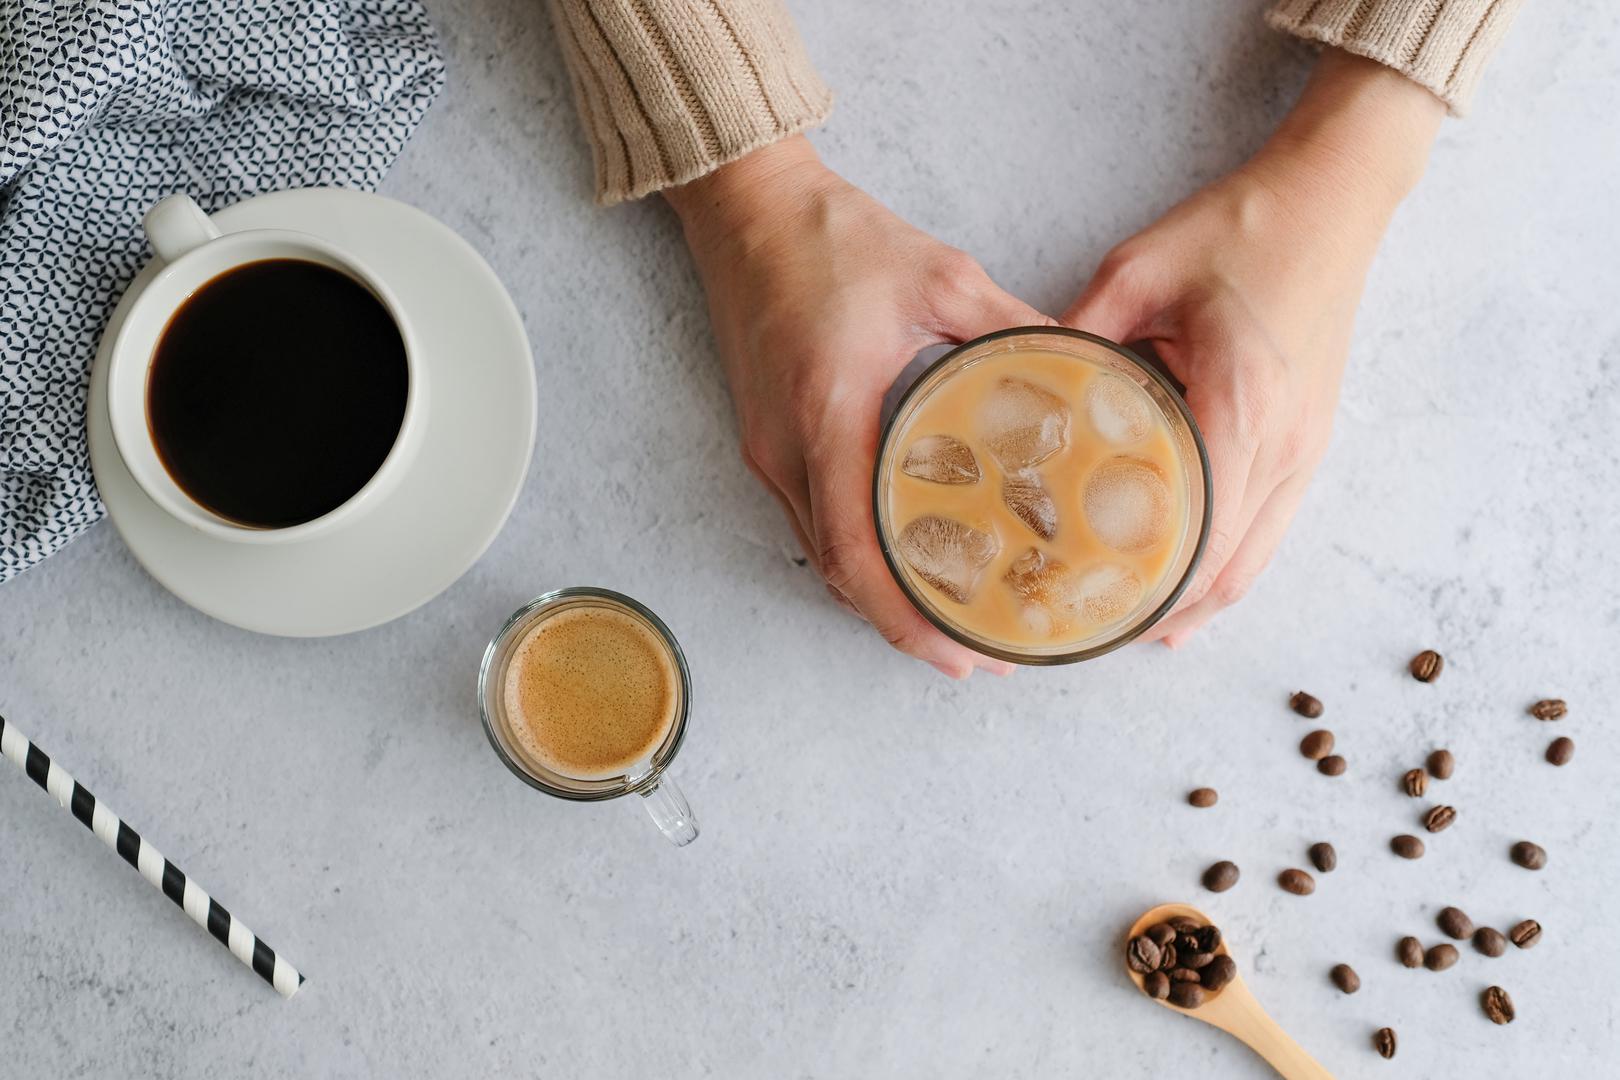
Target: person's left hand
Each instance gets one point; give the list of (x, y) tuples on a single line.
[(1248, 291)]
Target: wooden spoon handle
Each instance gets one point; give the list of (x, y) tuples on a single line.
[(1250, 1023)]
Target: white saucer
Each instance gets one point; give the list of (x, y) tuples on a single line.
[(448, 507)]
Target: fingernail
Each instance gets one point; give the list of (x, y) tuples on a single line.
[(950, 671)]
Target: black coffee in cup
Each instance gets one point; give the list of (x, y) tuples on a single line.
[(276, 391)]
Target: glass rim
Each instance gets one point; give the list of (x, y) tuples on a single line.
[(611, 787), (993, 649)]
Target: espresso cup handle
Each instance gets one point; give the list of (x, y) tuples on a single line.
[(668, 808), (176, 225)]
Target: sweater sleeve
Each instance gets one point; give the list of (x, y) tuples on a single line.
[(1442, 45), (669, 90)]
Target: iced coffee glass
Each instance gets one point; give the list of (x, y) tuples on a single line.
[(1042, 495)]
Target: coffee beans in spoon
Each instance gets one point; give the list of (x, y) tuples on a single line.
[(1178, 961)]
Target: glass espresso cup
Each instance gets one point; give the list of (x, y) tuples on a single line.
[(645, 778), (1042, 495)]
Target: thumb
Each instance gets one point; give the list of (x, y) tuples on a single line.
[(985, 307), (1118, 303)]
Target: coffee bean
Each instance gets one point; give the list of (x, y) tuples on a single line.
[(1426, 665), (1497, 1005), (1439, 818), (1528, 855), (1203, 797), (1323, 857), (1297, 882), (1345, 978), (1221, 970), (1197, 960), (1161, 933), (1220, 877), (1317, 745), (1187, 944), (1384, 1042), (1439, 957), (1549, 709), (1182, 974), (1415, 783), (1560, 750), (1489, 941), (1407, 847), (1525, 934), (1188, 995), (1209, 939), (1167, 957), (1305, 705), (1142, 954), (1156, 985), (1455, 922), (1332, 765), (1410, 951), (1441, 764), (1183, 924)]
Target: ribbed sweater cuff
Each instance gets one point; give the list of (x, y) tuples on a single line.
[(669, 90), (1441, 44)]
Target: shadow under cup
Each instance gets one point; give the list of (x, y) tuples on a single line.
[(645, 777), (1185, 439)]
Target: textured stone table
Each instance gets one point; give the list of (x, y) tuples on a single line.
[(898, 876)]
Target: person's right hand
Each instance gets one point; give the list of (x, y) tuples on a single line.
[(819, 297)]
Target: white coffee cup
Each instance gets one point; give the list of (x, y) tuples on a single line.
[(192, 252)]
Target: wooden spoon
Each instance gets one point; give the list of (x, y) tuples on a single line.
[(1234, 1010)]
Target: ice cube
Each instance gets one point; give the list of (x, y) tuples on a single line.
[(1127, 504), (1023, 424), (943, 459), (1027, 497), (1119, 410), (1057, 597), (947, 554)]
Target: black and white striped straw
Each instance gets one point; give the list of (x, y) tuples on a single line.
[(203, 909)]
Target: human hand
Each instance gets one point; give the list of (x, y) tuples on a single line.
[(819, 297), (1248, 291)]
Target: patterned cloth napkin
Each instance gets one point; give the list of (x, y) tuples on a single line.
[(106, 106)]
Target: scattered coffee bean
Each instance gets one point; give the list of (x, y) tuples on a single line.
[(1528, 855), (1426, 665), (1441, 764), (1317, 745), (1407, 847), (1188, 995), (1439, 818), (1384, 1042), (1183, 924), (1221, 970), (1525, 934), (1203, 797), (1156, 985), (1306, 705), (1489, 941), (1142, 954), (1182, 974), (1456, 923), (1441, 956), (1323, 857), (1497, 1005), (1161, 933), (1560, 750), (1549, 709), (1415, 783), (1410, 950), (1220, 877), (1332, 765), (1209, 939), (1297, 882), (1345, 978)]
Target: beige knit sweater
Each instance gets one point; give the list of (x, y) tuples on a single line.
[(669, 90)]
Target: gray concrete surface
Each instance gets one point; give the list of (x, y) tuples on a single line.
[(898, 876)]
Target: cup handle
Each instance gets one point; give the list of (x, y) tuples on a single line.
[(668, 808), (177, 225)]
